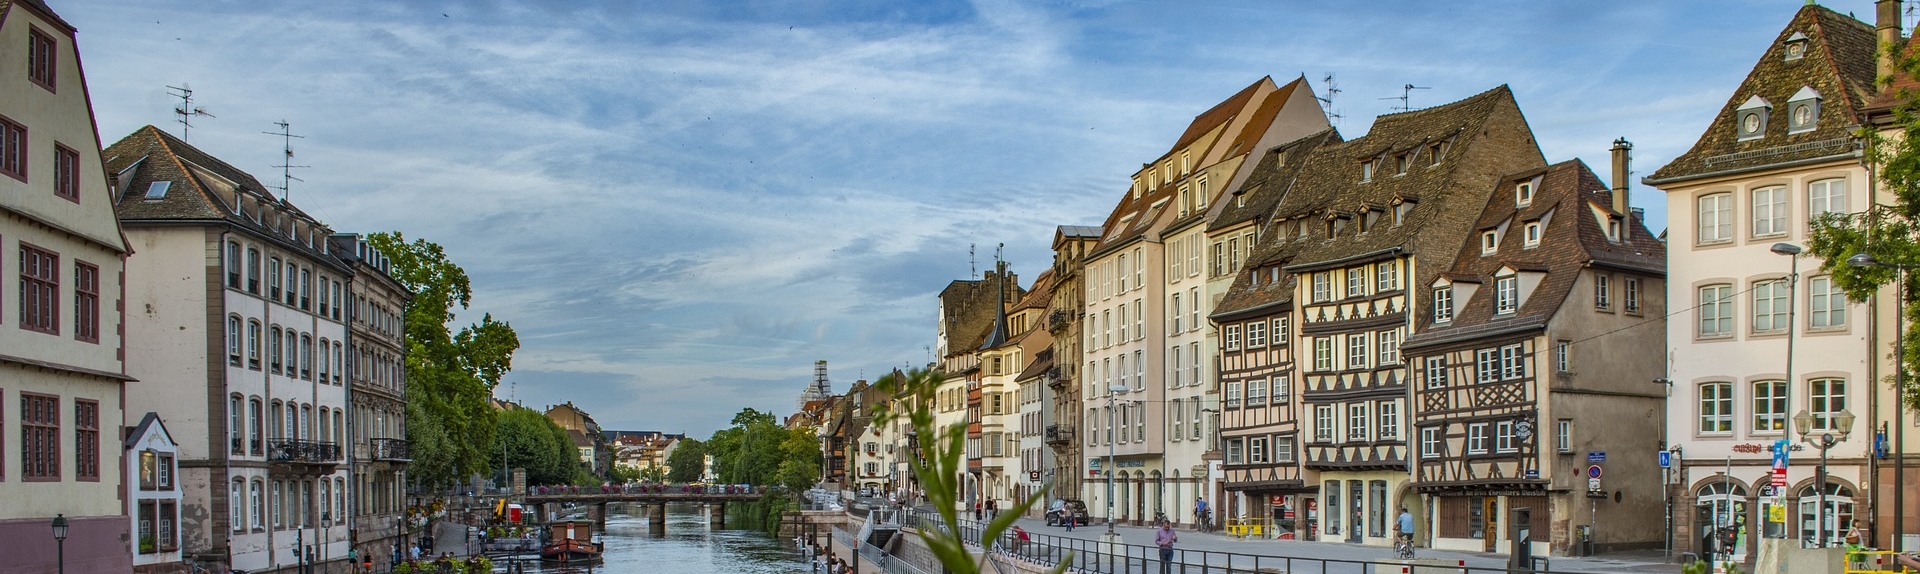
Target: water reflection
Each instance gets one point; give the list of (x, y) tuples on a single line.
[(687, 548)]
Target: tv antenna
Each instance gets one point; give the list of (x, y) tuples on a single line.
[(1326, 101), (973, 269), (1406, 94), (286, 161), (187, 110)]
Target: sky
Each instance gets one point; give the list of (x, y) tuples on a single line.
[(681, 205)]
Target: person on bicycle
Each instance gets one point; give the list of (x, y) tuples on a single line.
[(1403, 529), (1200, 513)]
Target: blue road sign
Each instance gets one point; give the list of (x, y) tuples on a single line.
[(1599, 456), (1666, 459)]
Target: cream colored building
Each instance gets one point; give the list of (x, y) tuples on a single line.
[(238, 327), (62, 261)]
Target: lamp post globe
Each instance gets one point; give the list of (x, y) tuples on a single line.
[(60, 541)]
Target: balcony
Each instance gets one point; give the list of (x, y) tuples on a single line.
[(1059, 319), (390, 449), (303, 452), (1059, 434), (236, 445), (1056, 378)]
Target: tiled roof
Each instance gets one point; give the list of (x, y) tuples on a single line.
[(1565, 200), (1040, 295), (1042, 361), (1218, 114), (1902, 87), (45, 10), (1257, 197), (1839, 64)]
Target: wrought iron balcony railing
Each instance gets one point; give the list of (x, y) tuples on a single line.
[(1059, 434), (391, 449), (303, 452)]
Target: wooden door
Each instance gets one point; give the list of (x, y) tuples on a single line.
[(1490, 516)]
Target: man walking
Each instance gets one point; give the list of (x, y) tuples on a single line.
[(1164, 538)]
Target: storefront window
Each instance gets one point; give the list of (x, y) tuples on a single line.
[(1722, 512), (1333, 507), (1836, 521), (1377, 508)]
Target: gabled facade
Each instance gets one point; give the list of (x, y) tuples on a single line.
[(154, 487), (968, 311), (1757, 347), (1131, 278), (242, 309), (595, 456), (1538, 348), (62, 261)]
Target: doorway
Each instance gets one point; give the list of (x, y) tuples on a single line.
[(1356, 491), (1490, 518)]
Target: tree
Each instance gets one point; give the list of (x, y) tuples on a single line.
[(800, 465), (688, 461), (532, 441), (749, 452), (450, 376)]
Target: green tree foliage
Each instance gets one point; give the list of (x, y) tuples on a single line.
[(754, 448), (687, 461), (449, 375), (1885, 232), (801, 458), (534, 442)]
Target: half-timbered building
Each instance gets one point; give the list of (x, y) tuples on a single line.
[(1362, 220), (1546, 330)]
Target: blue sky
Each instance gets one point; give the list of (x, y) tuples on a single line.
[(681, 205)]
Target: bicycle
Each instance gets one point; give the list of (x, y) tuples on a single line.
[(1403, 546)]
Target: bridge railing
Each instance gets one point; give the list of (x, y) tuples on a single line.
[(642, 489)]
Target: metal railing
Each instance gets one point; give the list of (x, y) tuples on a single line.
[(391, 449), (1095, 556), (874, 556), (303, 451), (1059, 433)]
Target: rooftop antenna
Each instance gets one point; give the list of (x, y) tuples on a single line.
[(1406, 94), (286, 162), (973, 269), (1327, 100), (187, 110)]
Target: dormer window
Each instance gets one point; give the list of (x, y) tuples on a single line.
[(1366, 170), (1400, 163), (1751, 118), (1186, 163), (1803, 111), (1796, 46), (1533, 234), (1489, 242), (1436, 151), (1523, 193), (1400, 212), (1613, 229), (1137, 186)]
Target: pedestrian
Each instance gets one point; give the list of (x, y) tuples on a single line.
[(1199, 512), (1164, 538), (1070, 517), (992, 509), (976, 510)]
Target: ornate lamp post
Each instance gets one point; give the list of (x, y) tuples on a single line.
[(1899, 394), (1841, 423), (60, 540)]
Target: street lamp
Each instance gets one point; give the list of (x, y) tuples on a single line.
[(1792, 253), (60, 540), (1899, 393), (1841, 423), (326, 531), (1112, 390)]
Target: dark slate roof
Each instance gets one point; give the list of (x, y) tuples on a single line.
[(1087, 231), (156, 156), (1839, 64), (151, 420), (45, 11), (1486, 136), (1568, 196), (1257, 197), (1042, 361)]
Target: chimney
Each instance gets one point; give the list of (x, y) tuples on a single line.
[(1622, 156), (1886, 23)]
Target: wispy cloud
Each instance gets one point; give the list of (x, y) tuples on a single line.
[(681, 205)]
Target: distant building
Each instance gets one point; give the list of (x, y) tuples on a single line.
[(595, 454), (153, 482), (377, 384)]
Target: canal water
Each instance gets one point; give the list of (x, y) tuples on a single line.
[(687, 548)]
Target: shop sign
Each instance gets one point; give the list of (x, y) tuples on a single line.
[(1494, 493)]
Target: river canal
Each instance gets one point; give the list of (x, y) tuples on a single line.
[(687, 548)]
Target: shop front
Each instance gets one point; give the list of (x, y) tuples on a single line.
[(1137, 489), (1480, 520), (1280, 509), (1360, 507)]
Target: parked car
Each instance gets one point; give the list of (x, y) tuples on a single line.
[(1079, 509)]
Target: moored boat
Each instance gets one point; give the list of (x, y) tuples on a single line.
[(570, 542)]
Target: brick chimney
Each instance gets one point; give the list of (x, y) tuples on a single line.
[(1886, 23), (1622, 155)]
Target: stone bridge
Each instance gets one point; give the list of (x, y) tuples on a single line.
[(541, 501)]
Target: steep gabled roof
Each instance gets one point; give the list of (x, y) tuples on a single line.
[(1839, 64), (1569, 200), (1261, 193)]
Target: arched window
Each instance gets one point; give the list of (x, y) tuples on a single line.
[(324, 370), (1722, 505), (253, 344), (235, 426), (1835, 521), (306, 357), (253, 270), (233, 340), (273, 349), (237, 505), (253, 428), (279, 420), (256, 506), (233, 264)]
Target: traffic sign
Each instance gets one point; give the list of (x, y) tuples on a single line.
[(1598, 456), (1666, 459), (1593, 472), (1593, 484)]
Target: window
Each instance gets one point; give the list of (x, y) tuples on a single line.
[(1429, 442), (66, 173), (1489, 241), (1716, 408), (1256, 391), (86, 444), (1716, 310), (253, 345), (39, 290), (1770, 306), (1173, 366), (254, 427), (1563, 435), (1562, 359), (1715, 218), (1256, 334), (253, 271), (279, 506), (306, 290), (1177, 420), (1323, 353), (1400, 163), (1234, 446), (1829, 304), (1769, 406), (1769, 211), (1357, 351), (1322, 287), (273, 278), (1803, 110), (1387, 276), (1477, 438), (1532, 234), (1356, 282), (1825, 399), (1389, 347), (237, 505), (1506, 295), (1193, 310), (256, 515), (1123, 324), (1443, 304), (233, 340), (1631, 294), (1282, 389), (1357, 422), (1233, 337), (41, 59), (1486, 364), (13, 149), (1282, 449), (1175, 316), (39, 437), (1139, 370), (1126, 271), (1233, 394), (293, 287), (1139, 421), (1752, 118), (1323, 423), (1602, 291), (1257, 450), (1826, 196), (1366, 170), (1513, 362), (324, 308), (1281, 331), (1436, 372), (86, 302), (1388, 414), (1523, 193), (1139, 270), (1503, 437)]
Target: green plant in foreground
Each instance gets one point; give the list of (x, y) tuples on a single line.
[(937, 464)]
